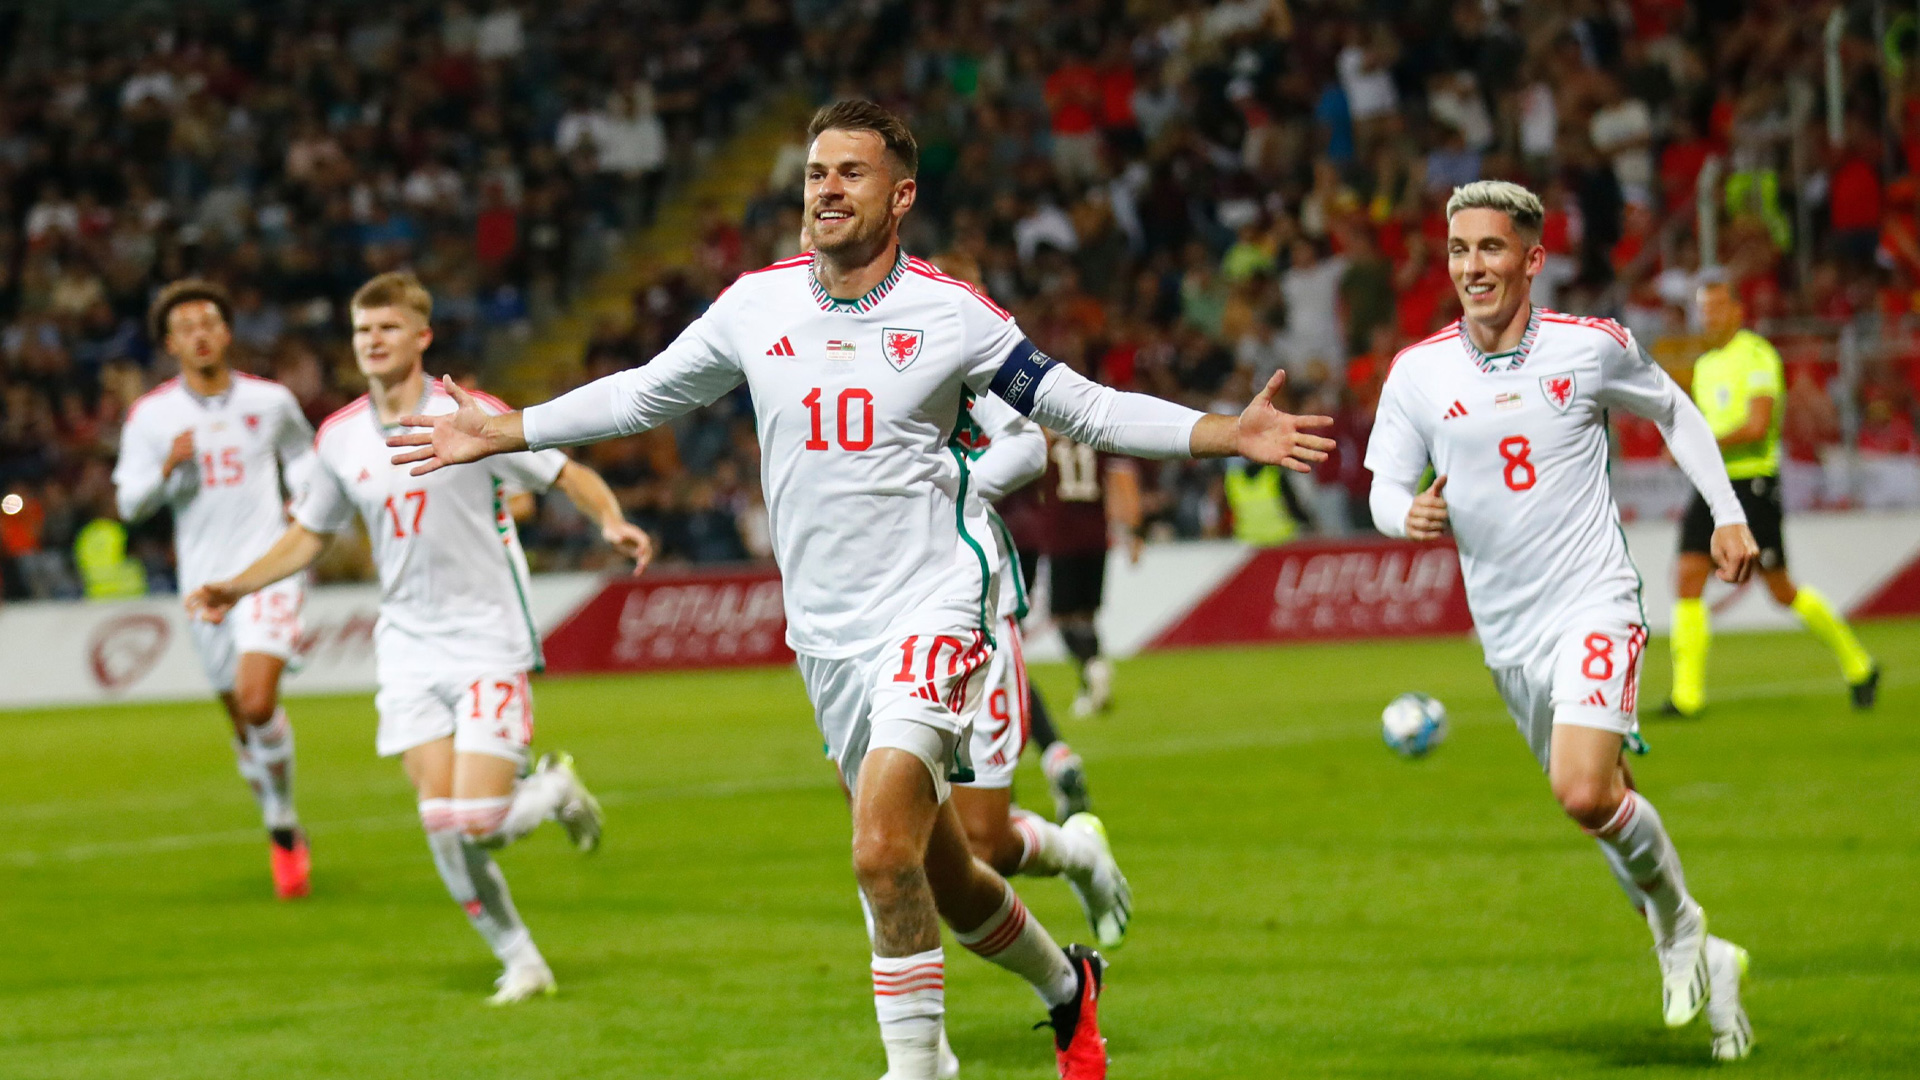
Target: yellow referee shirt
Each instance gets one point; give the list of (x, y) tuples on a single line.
[(1725, 382)]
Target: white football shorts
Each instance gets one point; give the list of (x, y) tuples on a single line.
[(266, 622), (492, 714), (917, 693), (1000, 731), (1589, 676)]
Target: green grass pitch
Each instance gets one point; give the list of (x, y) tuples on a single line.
[(1306, 903)]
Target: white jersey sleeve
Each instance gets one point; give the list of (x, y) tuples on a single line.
[(1008, 366), (1633, 381), (699, 367), (293, 445), (1015, 454), (1396, 455), (322, 505), (139, 487)]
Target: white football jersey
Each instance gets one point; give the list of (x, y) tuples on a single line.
[(227, 502), (1005, 450), (453, 577), (1522, 440), (868, 504)]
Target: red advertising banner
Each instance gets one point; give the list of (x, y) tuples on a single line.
[(669, 620), (1330, 591)]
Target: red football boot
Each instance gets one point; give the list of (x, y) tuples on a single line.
[(1078, 1048), (291, 866)]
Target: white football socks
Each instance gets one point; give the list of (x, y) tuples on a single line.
[(1016, 941), (265, 760), (1047, 849), (910, 998), (499, 821), (476, 884), (1643, 856)]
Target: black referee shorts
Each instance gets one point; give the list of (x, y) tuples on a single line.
[(1077, 583), (1760, 498)]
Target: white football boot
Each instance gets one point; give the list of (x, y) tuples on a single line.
[(1098, 694), (1726, 970), (522, 982), (579, 813), (1103, 892), (1683, 967)]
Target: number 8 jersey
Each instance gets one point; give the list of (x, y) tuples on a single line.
[(1522, 439), (453, 578)]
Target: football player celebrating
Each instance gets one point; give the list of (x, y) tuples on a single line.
[(455, 640), (859, 359), (1509, 406), (222, 450)]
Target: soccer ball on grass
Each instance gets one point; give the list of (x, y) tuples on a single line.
[(1413, 724)]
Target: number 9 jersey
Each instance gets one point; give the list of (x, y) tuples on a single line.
[(1522, 439), (453, 578)]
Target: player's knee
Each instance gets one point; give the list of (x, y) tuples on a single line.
[(881, 855), (1591, 802), (255, 703)]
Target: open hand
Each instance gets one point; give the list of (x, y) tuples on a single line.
[(211, 602), (450, 438), (1272, 437), (1735, 553), (1427, 519)]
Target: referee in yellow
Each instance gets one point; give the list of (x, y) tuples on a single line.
[(1739, 385)]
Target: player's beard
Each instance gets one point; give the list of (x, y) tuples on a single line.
[(864, 238)]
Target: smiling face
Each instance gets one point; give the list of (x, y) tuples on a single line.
[(197, 335), (854, 197), (1492, 265), (388, 342)]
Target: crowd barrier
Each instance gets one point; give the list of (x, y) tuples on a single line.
[(1176, 596)]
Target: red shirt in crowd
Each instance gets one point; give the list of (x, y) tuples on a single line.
[(1854, 202), (1073, 92)]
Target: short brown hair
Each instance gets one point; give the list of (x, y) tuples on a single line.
[(855, 114), (186, 291), (395, 288)]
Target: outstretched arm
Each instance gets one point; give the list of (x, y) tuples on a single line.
[(589, 491), (1146, 426), (1635, 383), (693, 371), (296, 550)]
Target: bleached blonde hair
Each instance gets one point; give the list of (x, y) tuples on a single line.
[(1521, 206)]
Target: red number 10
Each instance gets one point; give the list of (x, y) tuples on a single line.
[(817, 440)]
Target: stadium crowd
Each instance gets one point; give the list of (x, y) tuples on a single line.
[(1178, 196)]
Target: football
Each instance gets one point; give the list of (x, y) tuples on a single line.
[(1413, 724)]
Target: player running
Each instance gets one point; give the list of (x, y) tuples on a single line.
[(860, 360), (1509, 405), (1739, 387), (455, 640), (222, 450), (1005, 451), (1086, 497)]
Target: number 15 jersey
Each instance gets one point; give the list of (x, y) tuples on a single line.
[(1522, 439)]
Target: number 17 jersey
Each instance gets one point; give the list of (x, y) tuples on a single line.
[(1522, 439), (453, 577)]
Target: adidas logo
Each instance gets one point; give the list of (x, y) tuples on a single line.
[(1457, 410), (783, 347), (1596, 698)]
